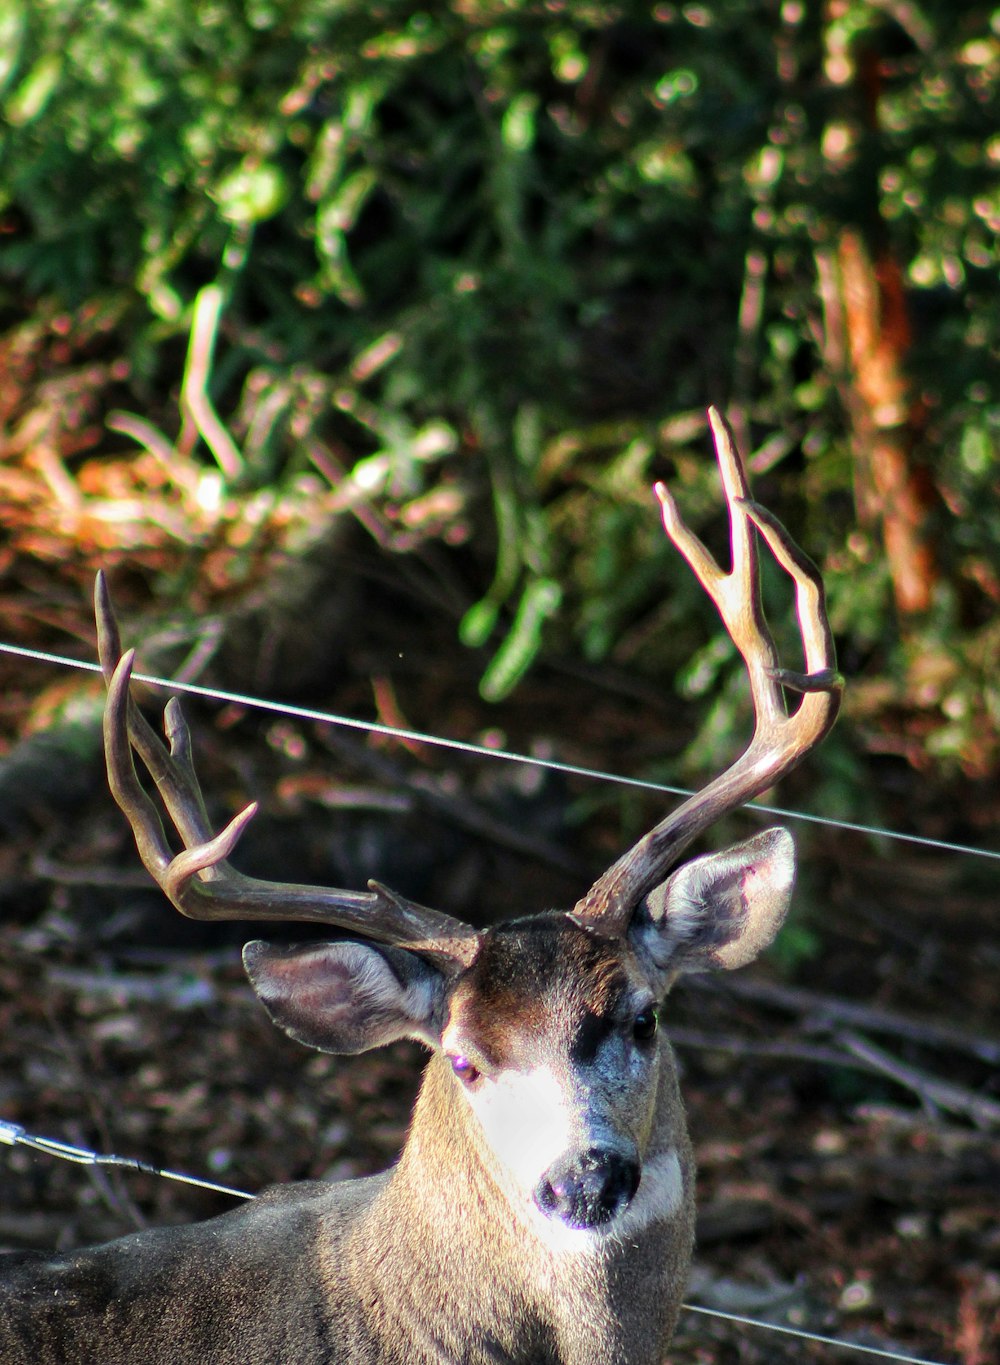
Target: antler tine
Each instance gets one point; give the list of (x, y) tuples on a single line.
[(172, 771), (779, 741), (199, 881)]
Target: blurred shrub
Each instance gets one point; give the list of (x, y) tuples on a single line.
[(511, 247)]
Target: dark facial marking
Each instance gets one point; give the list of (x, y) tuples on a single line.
[(536, 974), (593, 1030)]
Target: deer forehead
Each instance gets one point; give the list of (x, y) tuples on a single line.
[(538, 983)]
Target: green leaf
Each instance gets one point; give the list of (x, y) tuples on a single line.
[(477, 624), (539, 601), (33, 94), (11, 36), (519, 123), (250, 194)]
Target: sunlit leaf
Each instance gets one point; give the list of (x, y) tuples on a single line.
[(250, 194), (30, 98)]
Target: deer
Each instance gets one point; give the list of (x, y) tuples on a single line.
[(541, 1211)]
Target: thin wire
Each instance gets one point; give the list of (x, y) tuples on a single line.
[(808, 1336), (14, 1135), (483, 751)]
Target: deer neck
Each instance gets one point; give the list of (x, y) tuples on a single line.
[(451, 1246)]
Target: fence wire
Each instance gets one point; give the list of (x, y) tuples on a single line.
[(484, 751)]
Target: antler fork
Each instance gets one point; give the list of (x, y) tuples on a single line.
[(200, 882), (780, 741)]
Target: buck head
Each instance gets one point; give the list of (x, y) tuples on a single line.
[(552, 1030), (545, 1028)]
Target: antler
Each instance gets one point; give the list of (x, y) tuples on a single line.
[(779, 741), (200, 882)]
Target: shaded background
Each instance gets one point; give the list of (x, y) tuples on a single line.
[(349, 339)]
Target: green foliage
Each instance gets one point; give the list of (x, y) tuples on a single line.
[(515, 244), (795, 947)]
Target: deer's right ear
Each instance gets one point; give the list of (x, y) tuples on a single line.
[(346, 997), (720, 910)]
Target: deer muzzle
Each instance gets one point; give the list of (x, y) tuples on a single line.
[(588, 1189)]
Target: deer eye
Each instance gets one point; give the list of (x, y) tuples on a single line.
[(644, 1025), (463, 1068)]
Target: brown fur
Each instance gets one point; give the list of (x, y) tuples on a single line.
[(532, 976)]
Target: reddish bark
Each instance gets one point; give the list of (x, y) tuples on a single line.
[(877, 337)]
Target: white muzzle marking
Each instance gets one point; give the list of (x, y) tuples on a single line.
[(529, 1122)]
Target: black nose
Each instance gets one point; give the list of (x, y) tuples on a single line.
[(588, 1188)]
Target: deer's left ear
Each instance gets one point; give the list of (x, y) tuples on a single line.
[(720, 910)]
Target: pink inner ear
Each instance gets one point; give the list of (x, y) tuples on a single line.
[(765, 879), (766, 886), (346, 996), (303, 982)]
